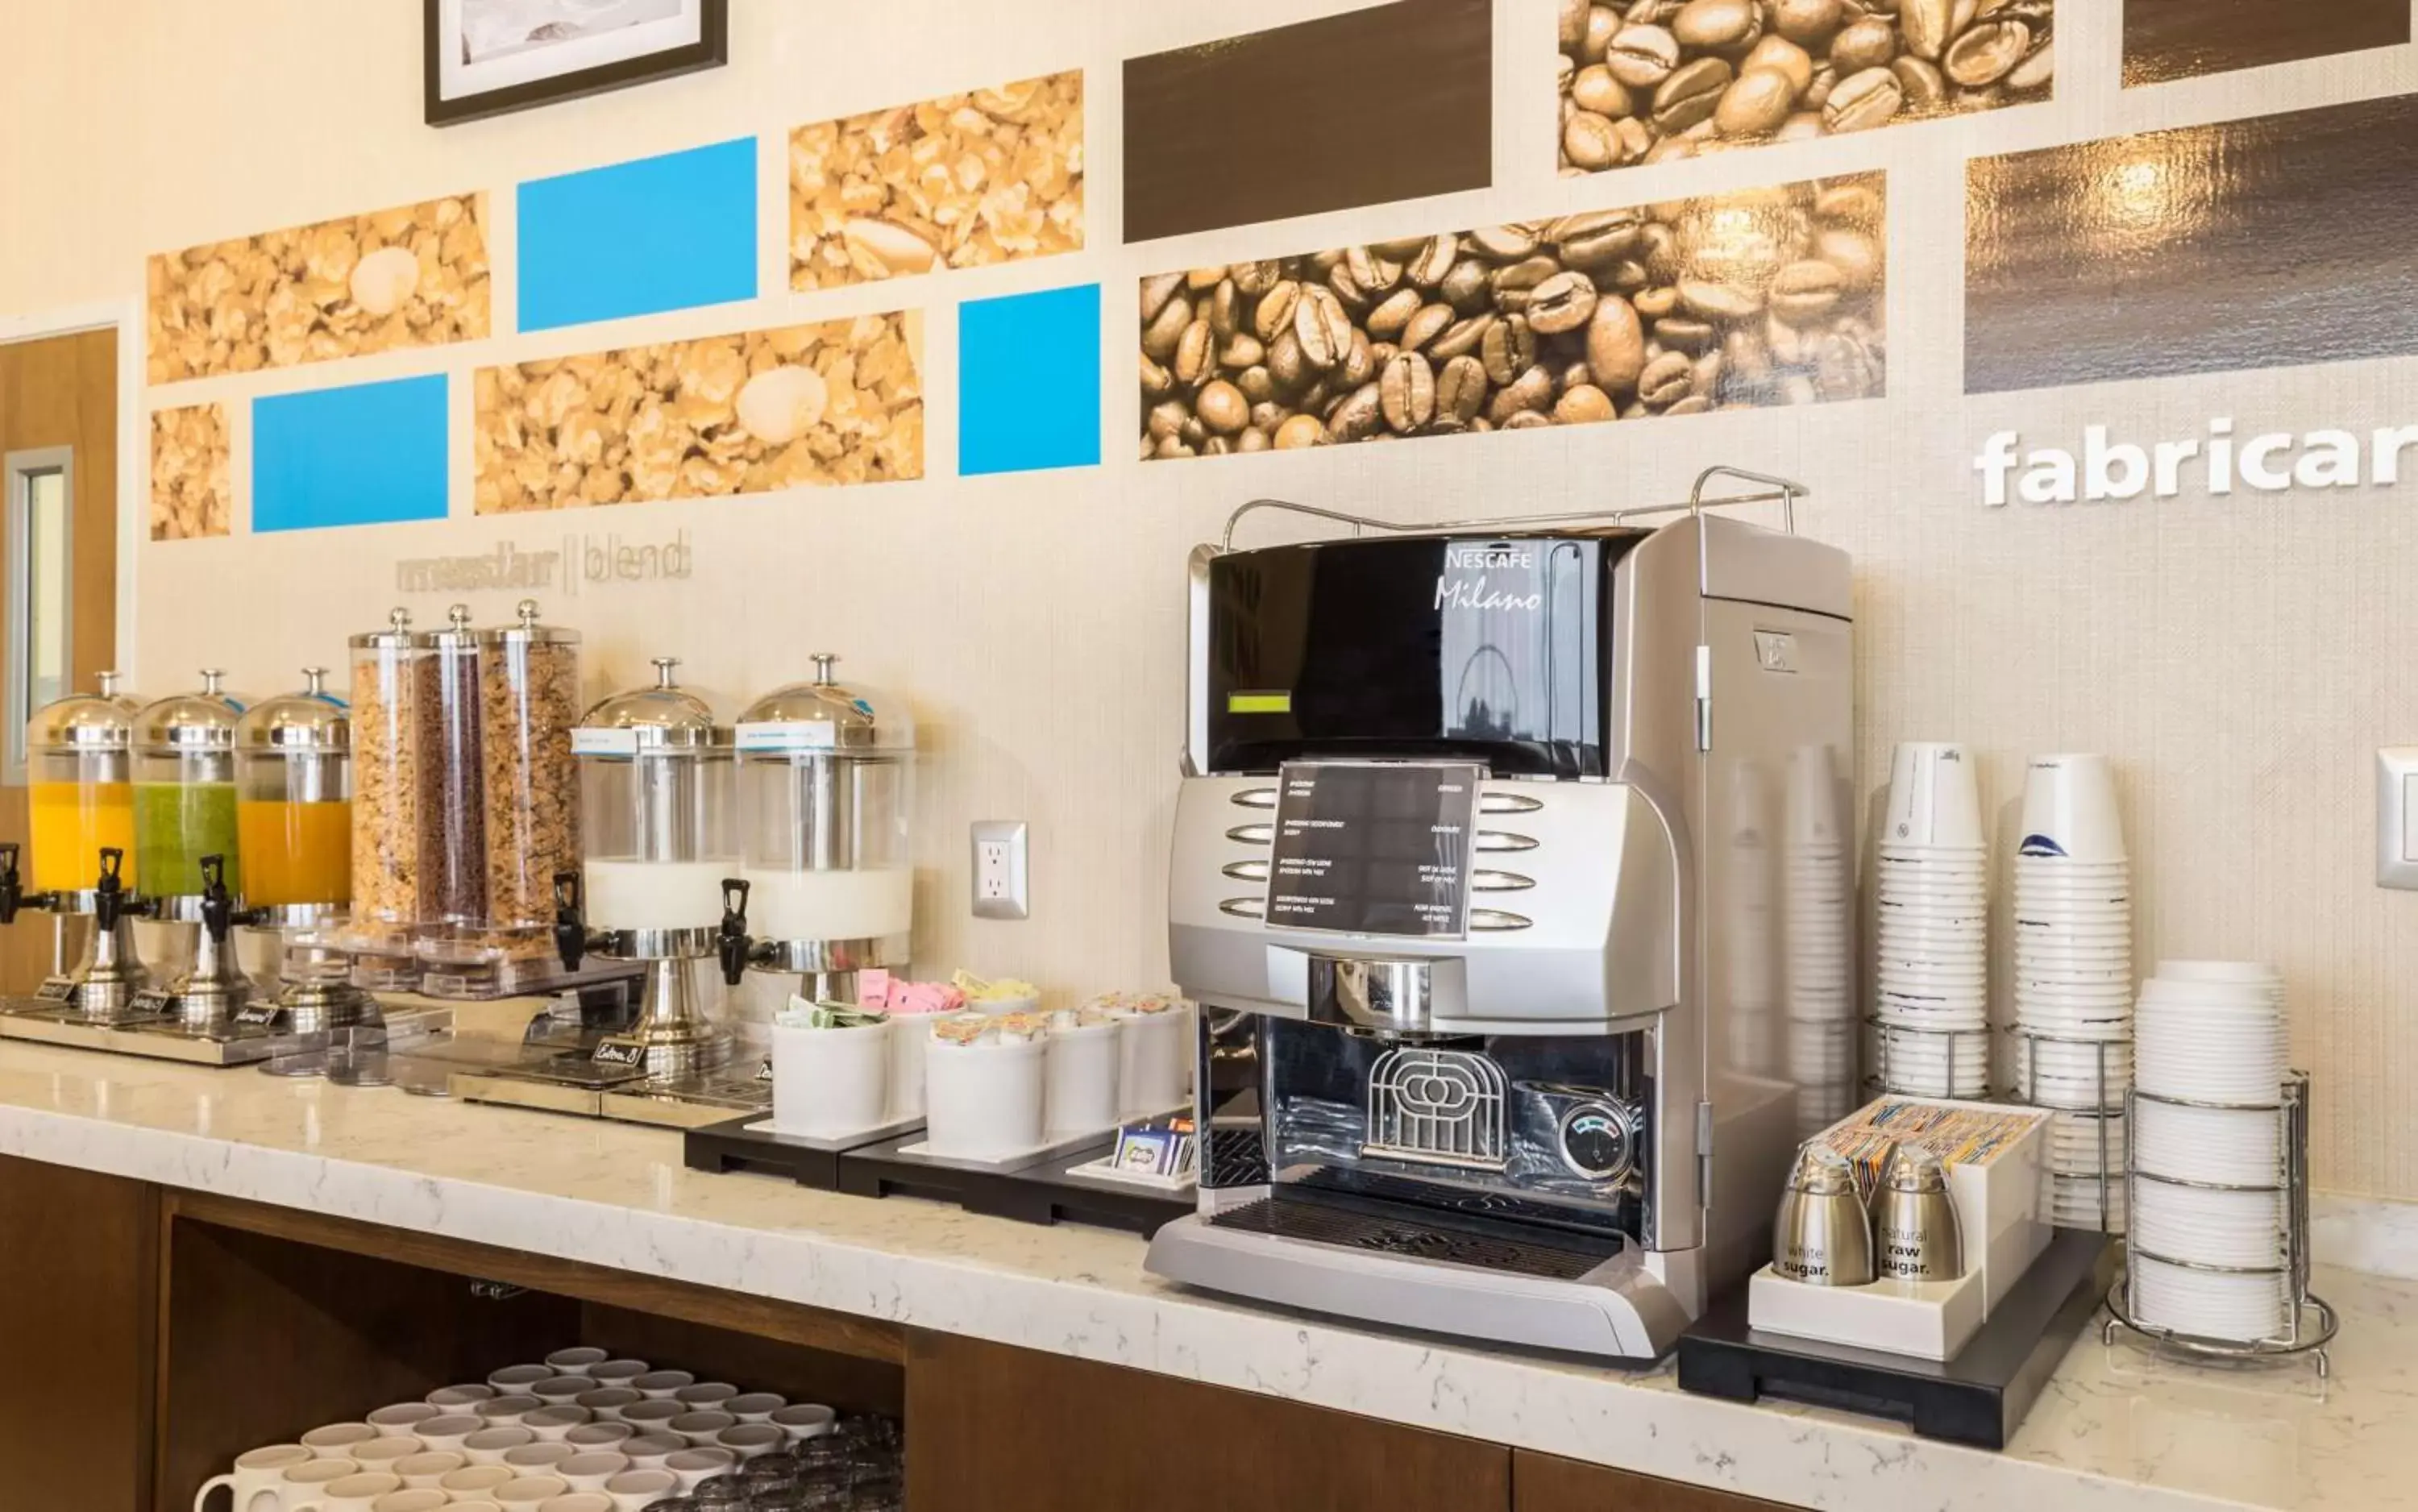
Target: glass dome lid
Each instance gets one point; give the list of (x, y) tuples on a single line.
[(309, 719), (662, 719), (205, 720), (821, 714)]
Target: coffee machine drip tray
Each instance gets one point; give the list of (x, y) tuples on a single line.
[(1326, 1218)]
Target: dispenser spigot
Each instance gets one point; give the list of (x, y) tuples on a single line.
[(732, 942), (12, 887), (217, 903), (110, 902), (570, 923)]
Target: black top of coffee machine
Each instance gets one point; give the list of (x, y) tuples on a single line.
[(1493, 649)]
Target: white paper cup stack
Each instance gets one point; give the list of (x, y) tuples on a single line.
[(1931, 984), (2073, 924), (2210, 1032), (1817, 924)]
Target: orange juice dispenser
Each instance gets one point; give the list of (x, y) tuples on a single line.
[(81, 862), (294, 805)]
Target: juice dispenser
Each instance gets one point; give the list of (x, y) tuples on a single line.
[(80, 798), (659, 881), (826, 784), (184, 799), (294, 805)]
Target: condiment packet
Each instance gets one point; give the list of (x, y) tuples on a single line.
[(1158, 1147), (801, 1014), (1061, 1019), (986, 991), (1128, 1005)]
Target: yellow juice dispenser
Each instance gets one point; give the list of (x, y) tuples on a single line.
[(294, 807), (80, 866)]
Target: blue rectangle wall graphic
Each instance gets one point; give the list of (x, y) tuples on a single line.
[(367, 455), (638, 237)]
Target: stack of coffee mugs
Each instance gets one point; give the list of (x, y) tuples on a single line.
[(2073, 981), (1931, 1003)]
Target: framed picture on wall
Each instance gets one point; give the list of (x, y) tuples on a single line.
[(484, 58)]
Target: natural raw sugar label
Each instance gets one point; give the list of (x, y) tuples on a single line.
[(957, 181), (840, 401), (193, 493), (412, 276)]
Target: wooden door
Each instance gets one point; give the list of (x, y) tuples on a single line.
[(994, 1429), (58, 561)]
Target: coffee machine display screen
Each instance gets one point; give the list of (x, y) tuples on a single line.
[(1373, 847)]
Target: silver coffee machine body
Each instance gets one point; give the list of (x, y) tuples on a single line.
[(1511, 872)]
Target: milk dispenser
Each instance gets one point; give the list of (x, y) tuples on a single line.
[(826, 781), (1447, 880), (659, 878)]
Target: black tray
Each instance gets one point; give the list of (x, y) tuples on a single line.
[(1040, 1190), (732, 1146), (1978, 1397)]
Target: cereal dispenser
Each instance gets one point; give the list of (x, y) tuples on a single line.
[(826, 781), (294, 805), (393, 795), (660, 851), (529, 703)]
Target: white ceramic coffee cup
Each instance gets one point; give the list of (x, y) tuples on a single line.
[(617, 1372), (695, 1466), (1935, 798), (754, 1406), (298, 1485), (577, 1361), (701, 1429), (513, 1379), (502, 1409), (355, 1493), (473, 1482), (706, 1396), (607, 1402), (256, 1472), (830, 1081), (399, 1418), (649, 1450), (537, 1459), (529, 1493), (634, 1490), (983, 1102), (804, 1420), (551, 1423), (556, 1390), (447, 1432), (589, 1472), (578, 1501), (459, 1400), (410, 1499), (381, 1454), (335, 1441), (428, 1467), (488, 1446), (650, 1416), (748, 1440), (658, 1385), (589, 1437)]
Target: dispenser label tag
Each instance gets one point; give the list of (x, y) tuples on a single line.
[(152, 1002), (619, 1053), (603, 743), (256, 1016), (56, 989), (787, 734)]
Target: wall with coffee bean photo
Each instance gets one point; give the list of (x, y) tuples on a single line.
[(1946, 234)]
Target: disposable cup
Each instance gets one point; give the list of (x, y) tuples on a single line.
[(1934, 798), (2070, 809)]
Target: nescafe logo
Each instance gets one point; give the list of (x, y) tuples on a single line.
[(1479, 558)]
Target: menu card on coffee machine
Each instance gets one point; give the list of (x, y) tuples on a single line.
[(1373, 847)]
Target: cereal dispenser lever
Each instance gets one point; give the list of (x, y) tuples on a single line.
[(570, 927), (732, 944)]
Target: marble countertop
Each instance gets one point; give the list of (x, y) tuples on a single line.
[(2117, 1427)]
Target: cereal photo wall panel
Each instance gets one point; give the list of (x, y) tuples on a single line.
[(1733, 301), (192, 484), (962, 180), (1386, 102), (2167, 39), (1666, 79), (2273, 241), (415, 275), (838, 401)]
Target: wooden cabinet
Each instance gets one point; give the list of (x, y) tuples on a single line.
[(79, 1320), (992, 1429), (1542, 1483)]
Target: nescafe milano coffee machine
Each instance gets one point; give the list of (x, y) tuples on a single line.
[(1486, 1048)]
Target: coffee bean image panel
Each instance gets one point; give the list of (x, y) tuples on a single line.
[(1388, 102), (2274, 241), (963, 180), (192, 487), (2167, 39), (1733, 301), (1654, 79)]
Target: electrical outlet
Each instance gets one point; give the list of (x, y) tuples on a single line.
[(999, 885)]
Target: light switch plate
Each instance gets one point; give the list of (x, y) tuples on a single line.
[(2396, 816), (999, 872)]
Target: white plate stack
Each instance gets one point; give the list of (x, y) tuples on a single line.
[(2210, 1032), (1816, 922), (2073, 927), (1932, 984)]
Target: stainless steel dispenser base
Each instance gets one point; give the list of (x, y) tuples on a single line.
[(156, 1038), (1617, 1310)]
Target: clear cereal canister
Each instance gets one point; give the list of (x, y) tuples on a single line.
[(80, 790), (393, 793), (184, 798), (529, 705), (826, 786), (454, 832), (294, 802), (658, 824)]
